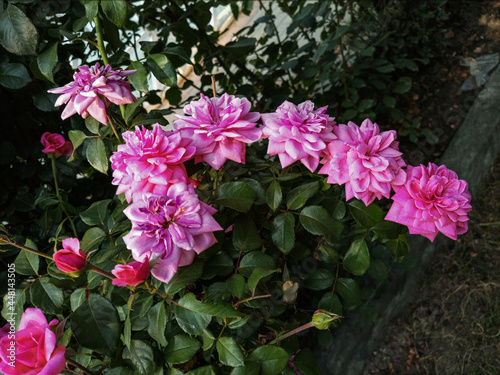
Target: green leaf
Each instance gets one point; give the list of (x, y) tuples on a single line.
[(185, 275), (349, 290), (13, 305), (402, 85), (77, 298), (330, 302), (236, 195), (127, 332), (92, 239), (27, 263), (208, 339), (140, 78), (46, 296), (96, 155), (181, 349), (305, 363), (76, 137), (47, 62), (316, 220), (272, 359), (162, 69), (246, 237), (230, 353), (140, 356), (387, 230), (17, 34), (366, 104), (91, 9), (191, 322), (92, 125), (365, 216), (213, 308), (319, 279), (255, 259), (115, 11), (283, 232), (236, 285), (150, 118), (96, 214), (299, 196), (274, 195), (357, 258), (389, 101), (130, 108), (218, 265), (96, 325), (250, 368), (157, 322), (204, 370), (378, 270), (399, 247), (257, 274), (14, 76)]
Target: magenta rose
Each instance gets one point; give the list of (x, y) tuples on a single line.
[(54, 143), (92, 91), (366, 161), (150, 161), (298, 133), (170, 229), (33, 349), (70, 258), (432, 200), (132, 273), (220, 128)]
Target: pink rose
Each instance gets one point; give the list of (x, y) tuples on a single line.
[(56, 144), (70, 258), (432, 200), (366, 161), (92, 91), (33, 348), (132, 273), (220, 128), (298, 133)]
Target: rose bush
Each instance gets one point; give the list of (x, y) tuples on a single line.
[(215, 247)]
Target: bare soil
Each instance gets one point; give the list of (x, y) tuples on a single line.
[(452, 325)]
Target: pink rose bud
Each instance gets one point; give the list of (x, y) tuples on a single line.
[(131, 274), (70, 258), (56, 144), (33, 348)]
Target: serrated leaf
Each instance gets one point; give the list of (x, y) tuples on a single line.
[(162, 69), (191, 322), (357, 258), (213, 308), (92, 239), (274, 195), (96, 155), (365, 216), (14, 76), (349, 290), (140, 356), (236, 195), (92, 125), (246, 236), (91, 8), (236, 285), (46, 296), (184, 276), (402, 85), (272, 359), (96, 325), (77, 298), (204, 370), (181, 349), (319, 279), (157, 322), (255, 259), (140, 78), (257, 274), (115, 11), (283, 232), (316, 220), (230, 353), (76, 137), (330, 302), (97, 213), (17, 34), (299, 196), (47, 62), (130, 108), (27, 263), (208, 339)]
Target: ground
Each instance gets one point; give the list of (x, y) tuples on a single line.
[(452, 325)]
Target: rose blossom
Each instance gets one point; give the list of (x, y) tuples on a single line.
[(170, 229), (70, 258), (132, 273), (35, 347), (92, 90), (56, 144), (432, 200), (298, 133), (150, 161), (220, 128), (366, 161)]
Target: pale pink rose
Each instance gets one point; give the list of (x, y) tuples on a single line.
[(432, 200), (132, 273), (35, 346), (56, 144), (92, 91), (366, 161), (150, 161), (70, 258), (170, 229), (298, 133), (220, 128)]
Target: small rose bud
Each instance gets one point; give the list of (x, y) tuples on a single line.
[(131, 274), (70, 258), (324, 319), (56, 144)]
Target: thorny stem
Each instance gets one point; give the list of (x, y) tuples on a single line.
[(292, 332), (39, 253), (54, 171)]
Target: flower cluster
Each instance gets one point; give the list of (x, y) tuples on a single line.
[(92, 91)]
